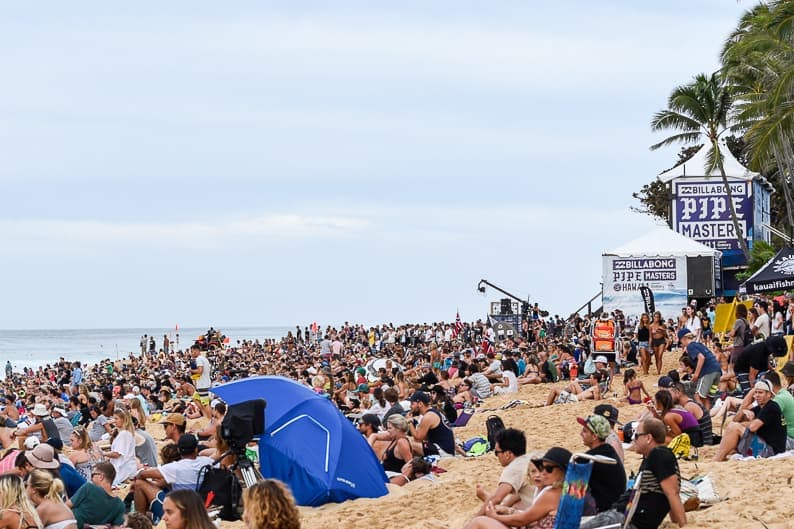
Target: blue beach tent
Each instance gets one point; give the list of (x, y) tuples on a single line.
[(308, 444)]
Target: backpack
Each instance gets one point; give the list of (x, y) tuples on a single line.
[(493, 425), (225, 489), (747, 335), (476, 446)]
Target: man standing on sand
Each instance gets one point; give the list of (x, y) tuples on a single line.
[(203, 369), (707, 368)]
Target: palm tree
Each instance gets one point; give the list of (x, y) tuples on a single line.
[(758, 64), (699, 112)]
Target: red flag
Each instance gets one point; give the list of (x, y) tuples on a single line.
[(458, 325)]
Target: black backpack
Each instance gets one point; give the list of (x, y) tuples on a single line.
[(493, 425), (225, 489)]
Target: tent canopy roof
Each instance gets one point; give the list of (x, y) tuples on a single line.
[(777, 274), (663, 241)]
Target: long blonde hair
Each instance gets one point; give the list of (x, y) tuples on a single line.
[(13, 496), (126, 420)]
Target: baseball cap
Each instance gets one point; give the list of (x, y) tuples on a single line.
[(685, 333), (420, 396), (173, 418), (363, 388), (601, 359), (187, 443), (598, 424), (764, 385), (607, 411), (665, 382)]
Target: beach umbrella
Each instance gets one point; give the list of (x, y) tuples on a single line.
[(308, 443)]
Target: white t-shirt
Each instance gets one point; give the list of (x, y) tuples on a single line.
[(763, 324), (205, 379), (183, 474), (126, 464)]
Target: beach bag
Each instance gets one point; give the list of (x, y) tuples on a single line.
[(476, 446), (566, 397), (493, 425), (680, 445), (589, 365), (223, 489)]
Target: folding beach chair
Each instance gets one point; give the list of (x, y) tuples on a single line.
[(627, 515), (574, 489)]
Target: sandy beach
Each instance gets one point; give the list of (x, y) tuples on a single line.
[(450, 501)]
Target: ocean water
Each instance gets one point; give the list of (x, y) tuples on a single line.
[(33, 348)]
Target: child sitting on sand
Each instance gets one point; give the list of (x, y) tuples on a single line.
[(633, 388)]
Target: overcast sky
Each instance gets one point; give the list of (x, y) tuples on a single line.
[(273, 163)]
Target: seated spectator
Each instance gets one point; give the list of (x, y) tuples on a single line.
[(184, 509), (70, 477), (416, 468), (676, 420), (269, 505), (510, 448), (434, 434), (660, 484), (151, 484), (46, 493), (509, 383), (543, 510), (681, 399), (94, 503), (398, 452), (767, 425), (443, 403), (594, 388), (481, 386), (393, 398), (607, 481), (18, 511), (464, 394), (610, 413), (84, 454)]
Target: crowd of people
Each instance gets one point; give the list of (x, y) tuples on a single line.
[(405, 387)]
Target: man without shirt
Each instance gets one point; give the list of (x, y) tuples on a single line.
[(510, 449)]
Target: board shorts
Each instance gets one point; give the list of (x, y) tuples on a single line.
[(705, 382)]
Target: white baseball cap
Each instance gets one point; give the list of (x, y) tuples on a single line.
[(601, 359)]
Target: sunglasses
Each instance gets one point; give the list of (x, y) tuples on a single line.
[(548, 469), (637, 435)]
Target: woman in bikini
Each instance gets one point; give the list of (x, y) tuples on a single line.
[(644, 342), (634, 388), (658, 340), (46, 493), (16, 510)]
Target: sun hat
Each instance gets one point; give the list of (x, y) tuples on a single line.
[(59, 410), (557, 455), (685, 333), (601, 359), (597, 424), (40, 410), (173, 418), (608, 411), (43, 456)]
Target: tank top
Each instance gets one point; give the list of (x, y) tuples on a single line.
[(644, 334), (688, 420), (51, 429), (390, 461), (441, 435)]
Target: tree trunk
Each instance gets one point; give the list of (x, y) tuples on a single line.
[(784, 161), (739, 234)]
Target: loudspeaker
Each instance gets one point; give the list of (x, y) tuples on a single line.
[(700, 276), (507, 307)]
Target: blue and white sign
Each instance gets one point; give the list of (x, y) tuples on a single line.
[(701, 211), (624, 276)]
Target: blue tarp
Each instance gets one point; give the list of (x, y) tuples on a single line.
[(308, 444)]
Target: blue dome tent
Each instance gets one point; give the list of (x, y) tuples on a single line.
[(308, 444)]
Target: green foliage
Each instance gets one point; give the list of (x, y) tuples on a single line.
[(655, 199), (760, 254)]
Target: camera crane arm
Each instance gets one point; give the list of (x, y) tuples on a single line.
[(484, 282)]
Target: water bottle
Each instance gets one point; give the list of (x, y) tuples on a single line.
[(630, 482)]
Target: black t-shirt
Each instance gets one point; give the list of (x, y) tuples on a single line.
[(773, 431), (607, 482), (755, 356), (652, 506), (429, 379)]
